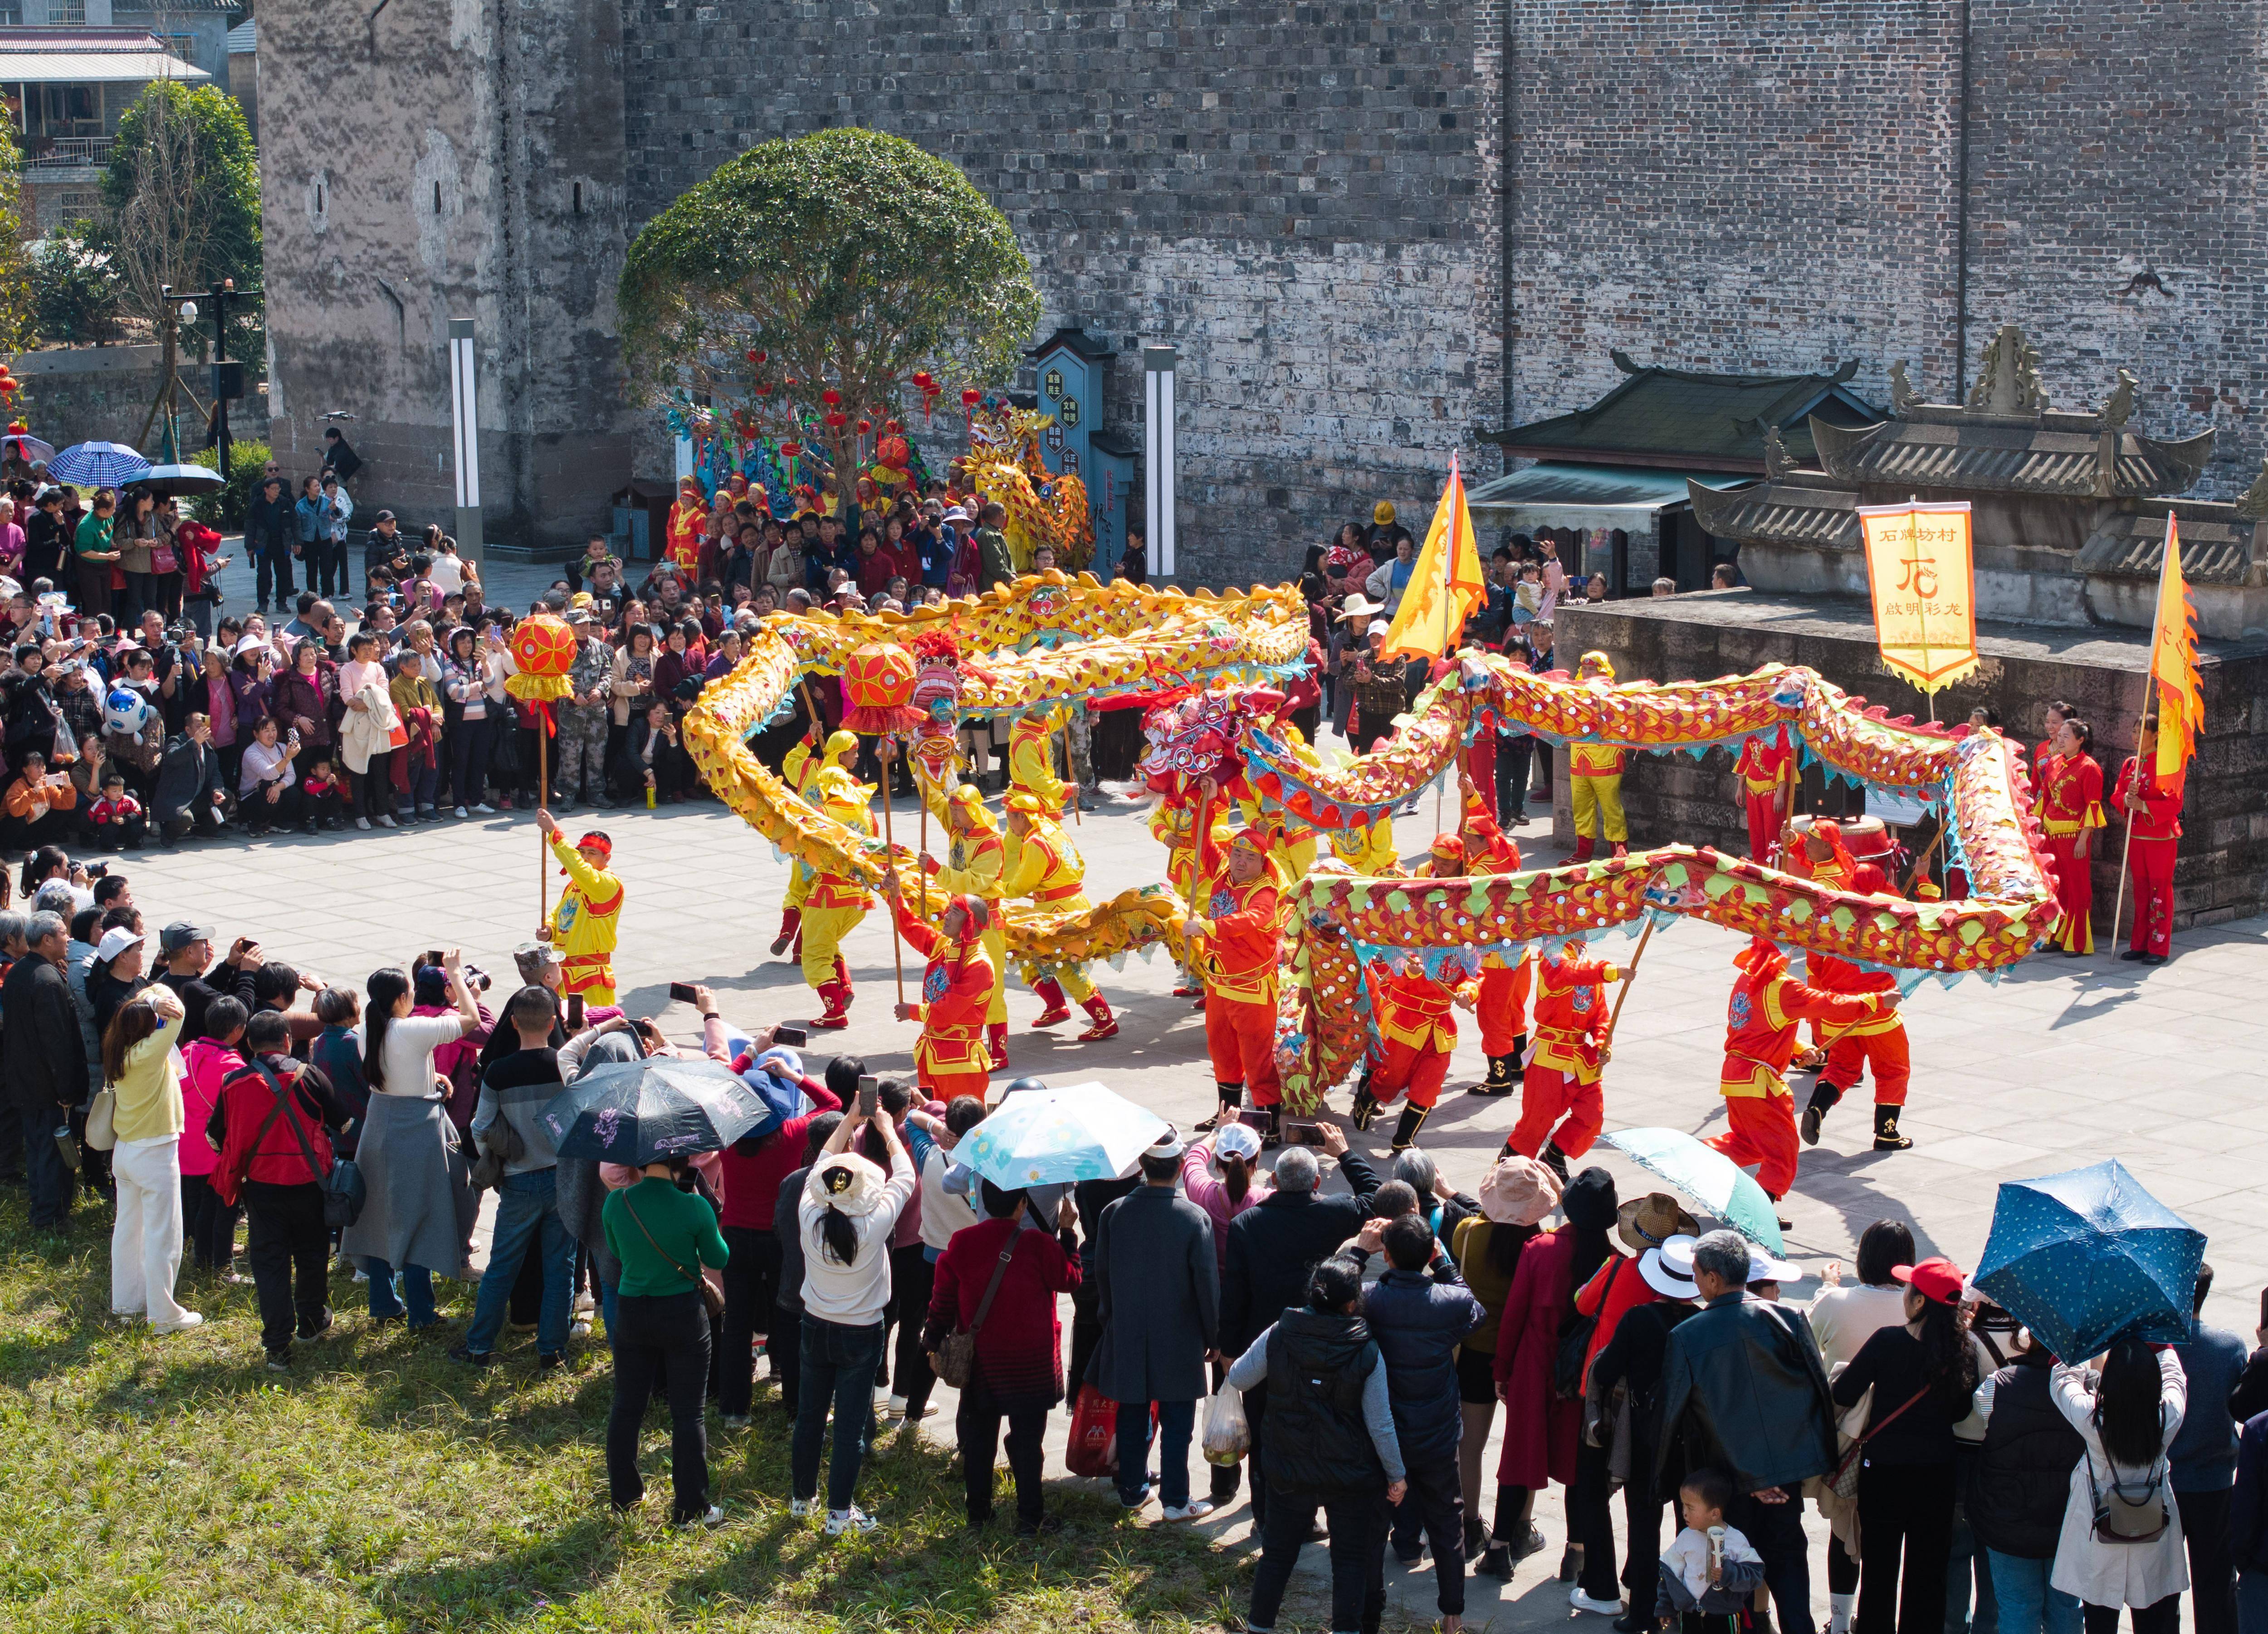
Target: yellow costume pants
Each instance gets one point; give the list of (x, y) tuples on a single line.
[(1600, 800), (799, 885), (1073, 978), (995, 944), (823, 930)]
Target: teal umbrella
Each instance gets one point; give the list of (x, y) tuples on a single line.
[(1706, 1175), (1081, 1131)]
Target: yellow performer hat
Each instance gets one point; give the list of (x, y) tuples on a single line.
[(1606, 666), (841, 743), (970, 800), (1031, 804), (837, 787)]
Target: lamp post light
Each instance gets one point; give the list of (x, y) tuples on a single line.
[(465, 426), (1158, 450)]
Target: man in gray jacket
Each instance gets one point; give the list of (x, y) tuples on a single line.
[(1159, 1291), (506, 1123)]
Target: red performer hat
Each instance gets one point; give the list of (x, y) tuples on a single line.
[(977, 917), (595, 841), (1760, 957)]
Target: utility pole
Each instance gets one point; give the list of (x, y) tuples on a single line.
[(222, 288)]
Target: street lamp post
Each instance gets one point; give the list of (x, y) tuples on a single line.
[(1158, 446), (464, 414)]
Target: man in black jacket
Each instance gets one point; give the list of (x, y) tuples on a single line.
[(188, 793), (1633, 1360), (188, 949), (1273, 1249), (45, 1059), (1743, 1390), (269, 536)]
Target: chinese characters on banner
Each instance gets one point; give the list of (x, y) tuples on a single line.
[(1919, 575)]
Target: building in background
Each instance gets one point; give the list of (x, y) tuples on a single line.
[(65, 89), (243, 80)]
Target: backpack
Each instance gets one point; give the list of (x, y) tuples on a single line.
[(2126, 1513)]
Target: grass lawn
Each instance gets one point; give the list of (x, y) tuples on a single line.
[(163, 1484)]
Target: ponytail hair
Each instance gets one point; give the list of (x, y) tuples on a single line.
[(384, 987), (839, 1235)]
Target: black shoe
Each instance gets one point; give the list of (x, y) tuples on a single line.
[(321, 1330), (2155, 958), (1495, 1562), (1556, 1160), (1824, 1097), (2133, 955), (1887, 1137), (546, 1361), (1364, 1113), (1405, 1131), (1476, 1539), (472, 1358), (1531, 1544), (280, 1361), (1632, 1622)]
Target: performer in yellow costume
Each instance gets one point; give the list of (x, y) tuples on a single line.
[(589, 914), (1045, 867), (835, 902), (801, 770), (975, 860), (1031, 762), (1370, 849), (1595, 772)]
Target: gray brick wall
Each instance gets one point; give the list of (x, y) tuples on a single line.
[(1296, 197)]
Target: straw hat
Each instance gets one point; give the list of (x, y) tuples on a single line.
[(1650, 1221)]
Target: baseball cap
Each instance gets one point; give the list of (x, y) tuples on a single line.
[(180, 934), (1238, 1140), (116, 941), (1169, 1144), (386, 516), (1936, 1278)]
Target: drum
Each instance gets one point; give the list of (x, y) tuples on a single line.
[(1867, 838)]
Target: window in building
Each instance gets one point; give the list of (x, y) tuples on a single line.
[(182, 46), (578, 198), (66, 10), (437, 198)]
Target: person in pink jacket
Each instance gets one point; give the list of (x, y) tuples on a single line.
[(209, 1224), (1236, 1146)]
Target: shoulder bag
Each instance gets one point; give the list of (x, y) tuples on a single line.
[(1842, 1480), (2124, 1513), (344, 1191), (955, 1360), (1575, 1340), (712, 1296), (102, 1120)]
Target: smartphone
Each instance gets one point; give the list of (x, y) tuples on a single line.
[(870, 1095), (790, 1035), (682, 992), (432, 956), (1305, 1134)]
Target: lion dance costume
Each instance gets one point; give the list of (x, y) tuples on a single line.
[(1237, 951), (951, 1057), (1877, 1044), (1047, 868), (975, 866), (1501, 1002), (801, 770), (1561, 1105), (1416, 1031)]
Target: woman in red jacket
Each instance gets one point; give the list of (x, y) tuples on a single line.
[(1018, 1372), (1540, 1426)]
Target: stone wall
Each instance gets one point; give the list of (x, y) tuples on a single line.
[(102, 394), (2222, 872), (1295, 196)]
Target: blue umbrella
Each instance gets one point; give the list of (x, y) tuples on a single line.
[(776, 1079), (100, 465), (1081, 1131), (2087, 1256)]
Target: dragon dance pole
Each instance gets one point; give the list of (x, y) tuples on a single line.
[(1629, 976), (888, 747)]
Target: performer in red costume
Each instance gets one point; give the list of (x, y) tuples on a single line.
[(2069, 801), (1562, 1078), (1819, 855), (1760, 1023), (951, 1056), (1764, 770), (1878, 1044), (1234, 946), (2153, 808), (1501, 1003), (1411, 1010)]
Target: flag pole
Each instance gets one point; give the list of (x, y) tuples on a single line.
[(1449, 559), (2149, 684)]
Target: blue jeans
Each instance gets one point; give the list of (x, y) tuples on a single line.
[(2027, 1604), (1176, 1423), (838, 1365), (416, 1295), (527, 1216)]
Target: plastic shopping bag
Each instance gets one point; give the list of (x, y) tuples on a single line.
[(1093, 1449), (1227, 1432)]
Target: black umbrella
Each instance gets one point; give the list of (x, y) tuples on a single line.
[(181, 481), (641, 1112)]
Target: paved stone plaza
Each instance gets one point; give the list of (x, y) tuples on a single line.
[(2063, 1064)]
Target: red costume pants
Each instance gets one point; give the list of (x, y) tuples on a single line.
[(2153, 862), (1885, 1055), (1761, 1130), (1764, 824), (1420, 1072), (1241, 1037), (1480, 765), (1546, 1095), (2075, 895), (947, 1085), (1502, 1007)]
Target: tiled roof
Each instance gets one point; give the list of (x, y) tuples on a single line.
[(1779, 514), (2027, 457), (244, 38), (1681, 416), (2218, 547)]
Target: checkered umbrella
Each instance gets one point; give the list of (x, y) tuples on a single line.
[(96, 465)]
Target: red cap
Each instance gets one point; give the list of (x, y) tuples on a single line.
[(1936, 1278)]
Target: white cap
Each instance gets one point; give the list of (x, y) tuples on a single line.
[(1169, 1144), (1764, 1268), (1237, 1140), (116, 941)]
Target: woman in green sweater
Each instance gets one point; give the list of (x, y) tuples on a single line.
[(663, 1235), (91, 547)]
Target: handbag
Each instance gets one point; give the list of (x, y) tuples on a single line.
[(344, 1191), (1575, 1340), (102, 1120), (162, 559), (712, 1296), (1092, 1449), (1842, 1480), (955, 1360)]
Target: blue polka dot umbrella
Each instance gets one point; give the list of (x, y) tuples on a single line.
[(1041, 1137), (2087, 1256)]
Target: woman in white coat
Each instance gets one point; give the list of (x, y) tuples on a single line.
[(2121, 1543)]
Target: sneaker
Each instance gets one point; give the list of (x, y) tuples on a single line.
[(1584, 1603), (735, 1421), (481, 808), (322, 1330), (894, 1410), (471, 1357), (1495, 1562), (186, 1320), (387, 823), (279, 1361), (547, 1360), (363, 823), (580, 1328), (1196, 1509), (800, 1506), (851, 1519), (460, 814), (1131, 1504), (713, 1517)]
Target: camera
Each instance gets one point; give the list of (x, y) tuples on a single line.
[(475, 979), (100, 871)]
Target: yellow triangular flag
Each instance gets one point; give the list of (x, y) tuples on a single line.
[(1446, 584), (2173, 663)]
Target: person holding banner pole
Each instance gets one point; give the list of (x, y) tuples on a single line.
[(2153, 807)]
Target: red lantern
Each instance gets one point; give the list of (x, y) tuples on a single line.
[(892, 452), (830, 397), (836, 420), (970, 397), (878, 689), (753, 356), (922, 378), (865, 426), (788, 451)]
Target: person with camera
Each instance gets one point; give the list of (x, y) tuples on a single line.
[(277, 1117), (511, 1132), (188, 797), (268, 794)]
